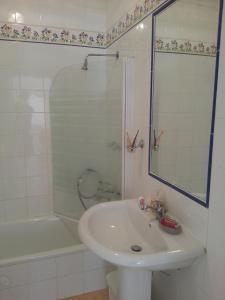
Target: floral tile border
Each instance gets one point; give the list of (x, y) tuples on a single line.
[(185, 47), (29, 33), (131, 18), (53, 35), (39, 34)]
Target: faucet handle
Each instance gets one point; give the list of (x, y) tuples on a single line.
[(156, 204), (142, 203), (158, 207)]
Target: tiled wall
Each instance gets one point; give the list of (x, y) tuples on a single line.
[(85, 15), (117, 11), (53, 278), (27, 72), (29, 109), (116, 8), (196, 16), (205, 279), (24, 148), (33, 82)]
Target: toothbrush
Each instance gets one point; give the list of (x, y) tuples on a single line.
[(134, 140), (129, 144), (159, 137)]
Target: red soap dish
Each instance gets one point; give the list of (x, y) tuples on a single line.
[(170, 225)]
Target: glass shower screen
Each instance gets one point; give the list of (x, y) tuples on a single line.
[(85, 122)]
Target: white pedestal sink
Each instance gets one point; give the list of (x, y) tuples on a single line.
[(111, 229)]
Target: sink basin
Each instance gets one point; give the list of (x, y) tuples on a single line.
[(111, 229)]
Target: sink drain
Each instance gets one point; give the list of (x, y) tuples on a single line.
[(136, 248)]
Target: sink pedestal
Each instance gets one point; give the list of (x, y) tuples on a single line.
[(134, 283), (111, 230)]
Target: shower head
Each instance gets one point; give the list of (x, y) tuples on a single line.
[(85, 65)]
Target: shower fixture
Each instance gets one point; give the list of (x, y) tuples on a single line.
[(85, 65), (92, 190)]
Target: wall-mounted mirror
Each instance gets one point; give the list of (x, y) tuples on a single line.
[(185, 59)]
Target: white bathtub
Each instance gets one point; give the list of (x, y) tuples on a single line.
[(43, 258), (36, 238)]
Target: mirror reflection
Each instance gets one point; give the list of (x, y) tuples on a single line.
[(182, 97)]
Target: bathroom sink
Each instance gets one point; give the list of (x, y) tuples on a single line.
[(111, 229), (121, 233)]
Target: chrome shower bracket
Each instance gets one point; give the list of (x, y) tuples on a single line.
[(140, 145), (85, 64)]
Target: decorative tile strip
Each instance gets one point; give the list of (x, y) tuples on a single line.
[(185, 47), (53, 35), (19, 32), (131, 18), (30, 33)]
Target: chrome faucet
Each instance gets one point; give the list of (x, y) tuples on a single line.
[(156, 206)]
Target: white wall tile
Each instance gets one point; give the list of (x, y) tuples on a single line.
[(36, 144), (36, 166), (69, 264), (94, 280), (13, 167), (12, 145), (16, 209), (35, 123), (37, 186), (2, 211), (169, 283), (17, 293), (12, 276), (9, 101), (39, 205), (14, 188), (116, 9), (92, 261), (9, 79), (32, 100), (44, 290), (219, 143), (31, 82), (11, 124), (70, 285), (41, 270), (51, 278), (67, 15)]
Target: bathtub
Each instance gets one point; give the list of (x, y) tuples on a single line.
[(38, 238), (43, 258)]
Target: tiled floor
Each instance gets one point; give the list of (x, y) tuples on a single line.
[(97, 295)]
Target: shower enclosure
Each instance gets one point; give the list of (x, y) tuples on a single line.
[(85, 119), (61, 151)]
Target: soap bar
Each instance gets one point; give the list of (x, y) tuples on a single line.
[(168, 222), (169, 225)]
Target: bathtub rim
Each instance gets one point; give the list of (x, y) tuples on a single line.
[(44, 254)]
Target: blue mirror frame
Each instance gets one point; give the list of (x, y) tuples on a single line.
[(191, 196)]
